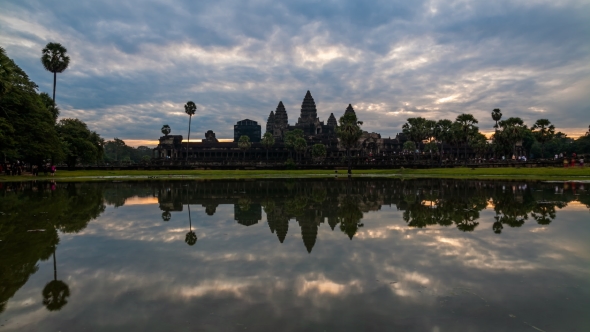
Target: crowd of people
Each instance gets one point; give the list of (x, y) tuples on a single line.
[(571, 162), (18, 168)]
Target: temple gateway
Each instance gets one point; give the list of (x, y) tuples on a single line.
[(371, 145)]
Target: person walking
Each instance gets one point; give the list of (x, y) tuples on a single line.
[(53, 169), (581, 161)]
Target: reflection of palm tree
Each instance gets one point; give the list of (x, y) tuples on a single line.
[(497, 226), (166, 215), (349, 213), (191, 237), (56, 292)]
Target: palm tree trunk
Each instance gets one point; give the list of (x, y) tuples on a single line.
[(190, 224), (54, 84), (189, 135), (54, 265)]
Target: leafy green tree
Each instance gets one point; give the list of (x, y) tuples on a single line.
[(416, 130), (443, 133), (244, 144), (479, 143), (50, 105), (6, 71), (468, 129), (300, 146), (431, 147), (409, 147), (267, 141), (318, 152), (166, 130), (512, 131), (81, 144), (25, 118), (543, 132), (349, 131), (290, 138), (116, 149), (55, 60), (189, 108), (7, 142)]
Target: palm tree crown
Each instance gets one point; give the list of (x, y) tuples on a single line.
[(189, 108), (496, 116), (166, 130), (55, 60)]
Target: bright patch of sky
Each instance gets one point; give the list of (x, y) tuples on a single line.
[(135, 63)]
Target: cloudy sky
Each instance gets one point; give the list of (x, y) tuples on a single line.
[(134, 64)]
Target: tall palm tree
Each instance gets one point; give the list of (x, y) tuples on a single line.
[(496, 116), (56, 292), (189, 108), (544, 132), (55, 60), (166, 130)]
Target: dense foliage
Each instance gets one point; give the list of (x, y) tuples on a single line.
[(511, 137), (118, 152), (28, 128)]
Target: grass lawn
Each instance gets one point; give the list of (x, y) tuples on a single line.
[(545, 173)]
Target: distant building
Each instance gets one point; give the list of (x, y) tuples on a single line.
[(249, 128)]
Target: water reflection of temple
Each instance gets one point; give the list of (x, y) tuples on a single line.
[(341, 204)]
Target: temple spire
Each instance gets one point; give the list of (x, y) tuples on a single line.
[(281, 121), (349, 109), (309, 112), (270, 123), (332, 120)]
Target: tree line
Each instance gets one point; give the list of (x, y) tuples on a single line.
[(539, 140)]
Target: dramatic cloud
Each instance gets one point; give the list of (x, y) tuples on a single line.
[(135, 63)]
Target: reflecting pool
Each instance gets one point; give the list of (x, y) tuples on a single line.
[(333, 254)]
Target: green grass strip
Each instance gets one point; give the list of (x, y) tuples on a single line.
[(545, 173)]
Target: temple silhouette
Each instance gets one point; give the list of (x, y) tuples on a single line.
[(172, 149)]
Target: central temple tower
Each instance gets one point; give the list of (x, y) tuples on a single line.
[(308, 120)]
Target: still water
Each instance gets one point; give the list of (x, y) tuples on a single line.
[(295, 255)]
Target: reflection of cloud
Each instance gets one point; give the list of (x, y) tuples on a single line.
[(320, 285), (136, 200)]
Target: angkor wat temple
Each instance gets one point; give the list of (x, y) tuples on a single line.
[(370, 145), (371, 148)]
